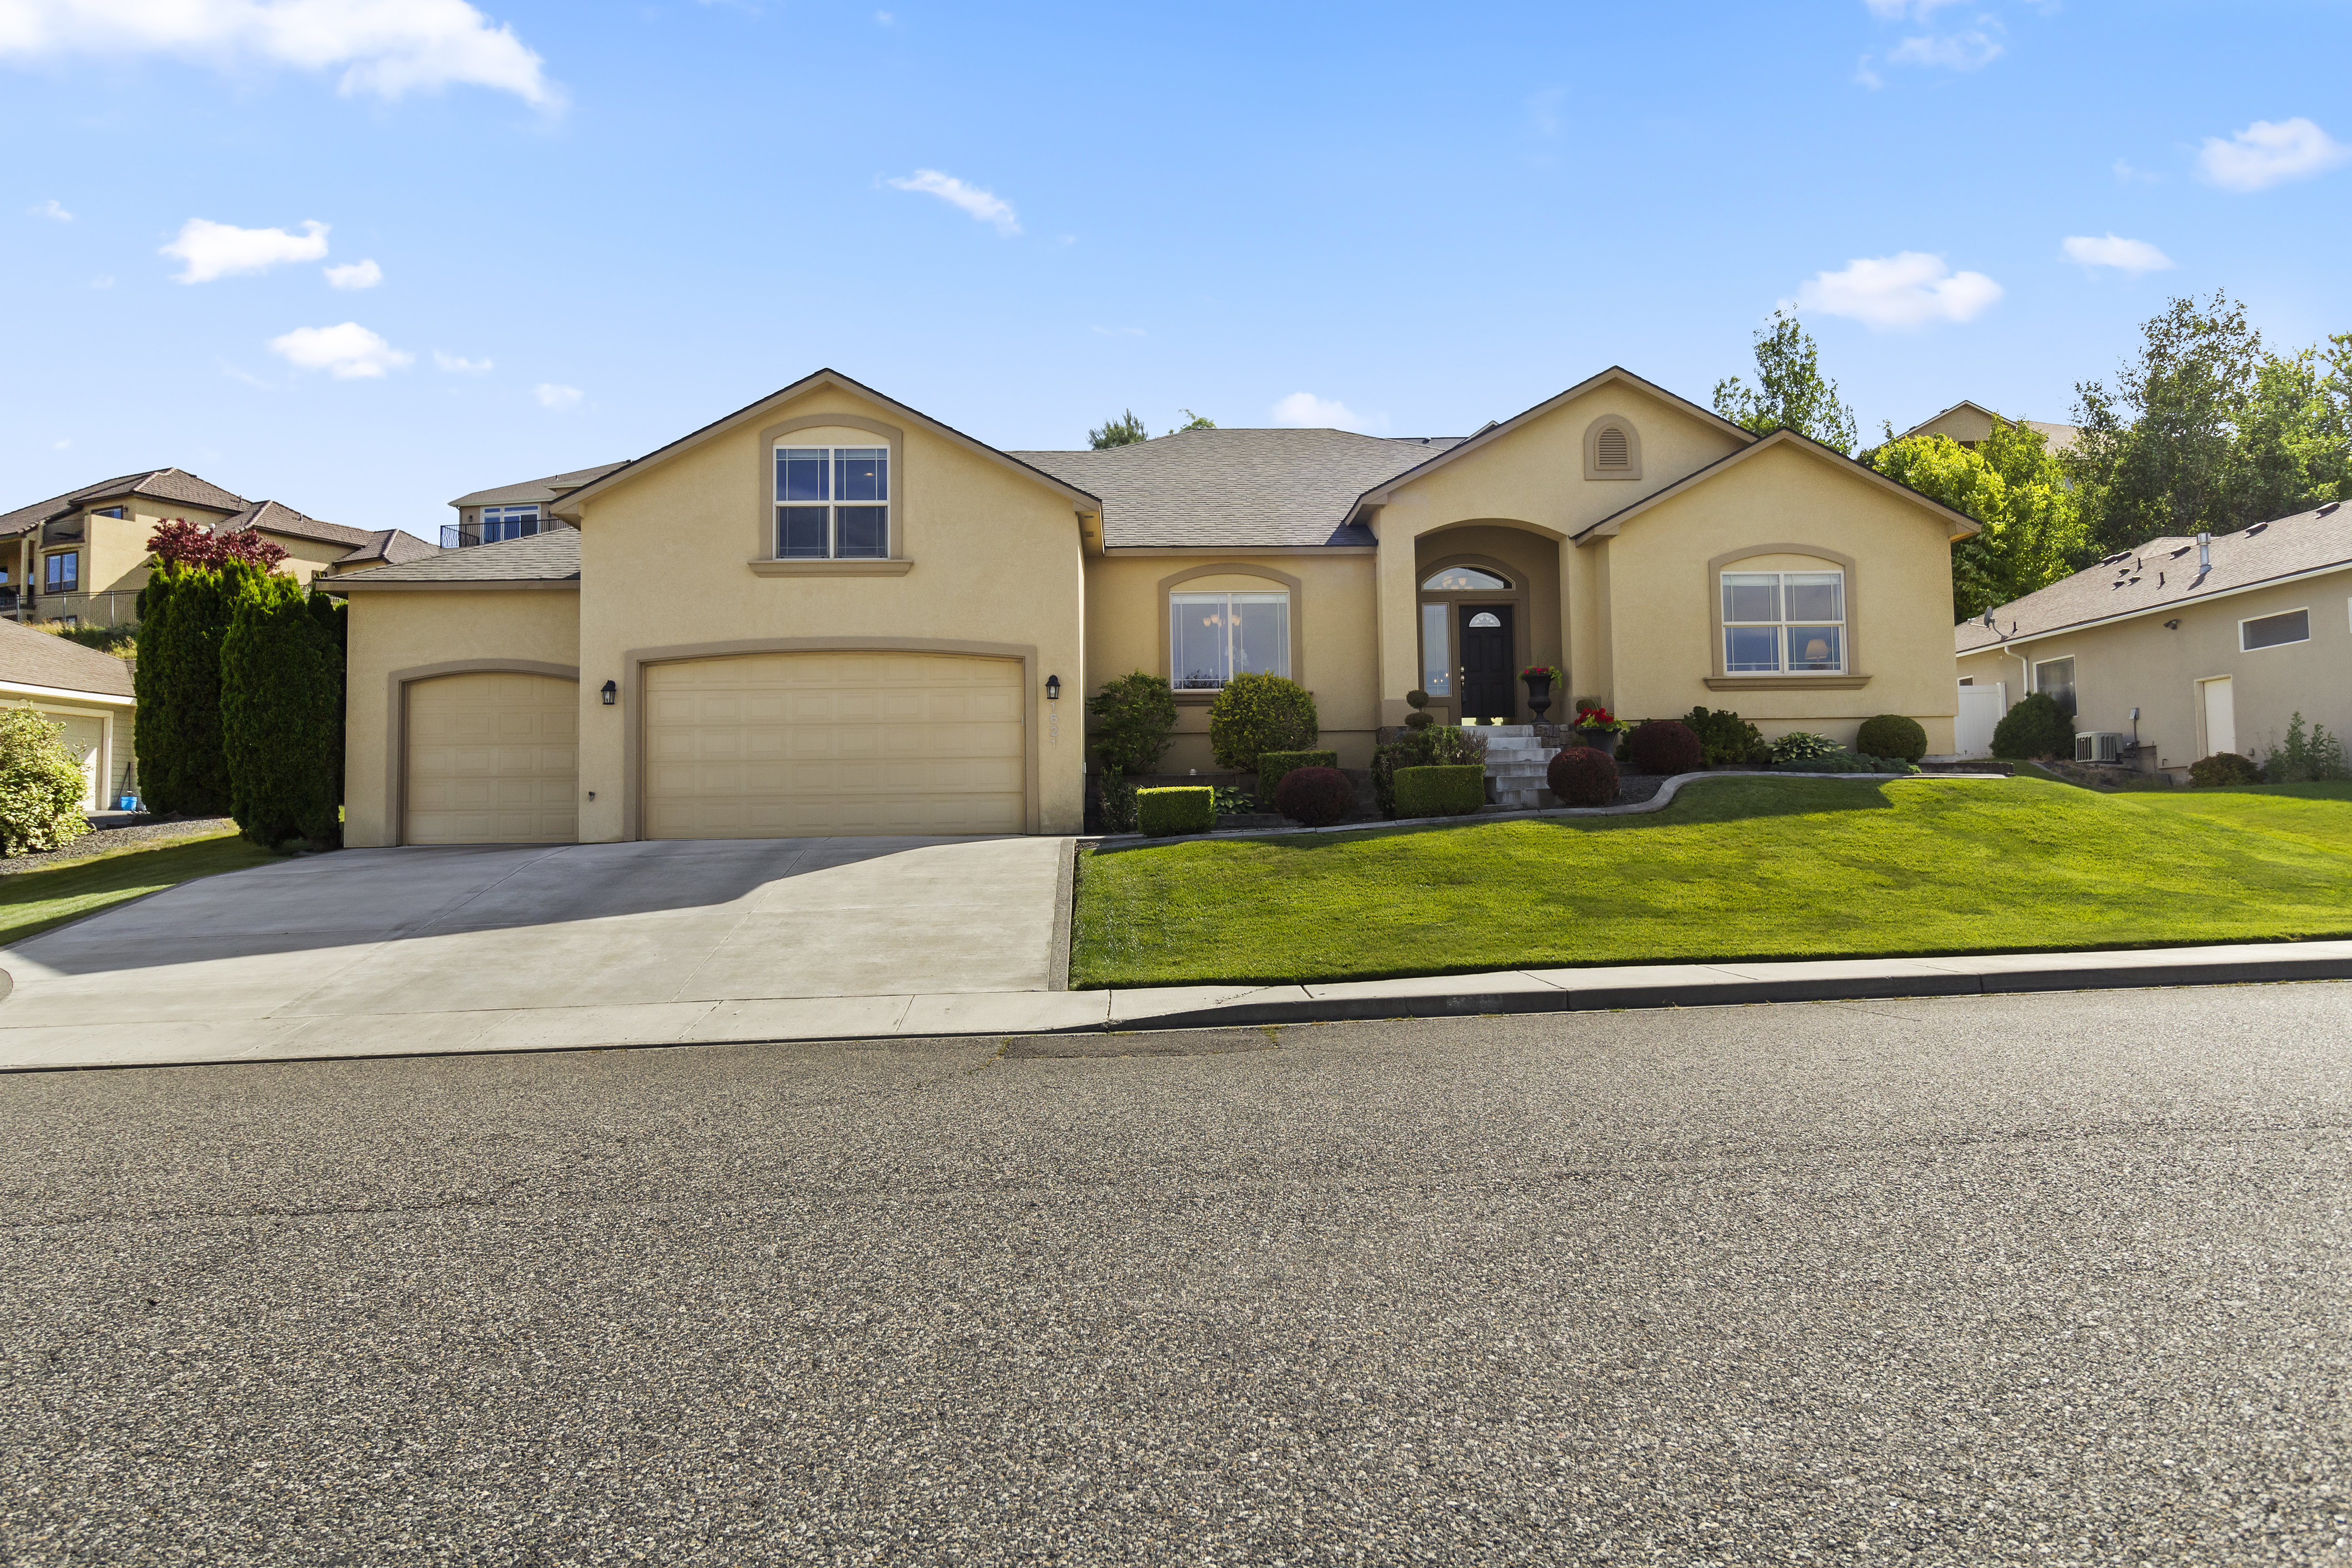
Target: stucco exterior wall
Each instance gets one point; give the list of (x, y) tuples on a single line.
[(307, 559), (1533, 479), (2140, 663), (392, 630), (1333, 638), (1660, 618), (665, 565)]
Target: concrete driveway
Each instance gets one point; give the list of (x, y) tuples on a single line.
[(494, 949)]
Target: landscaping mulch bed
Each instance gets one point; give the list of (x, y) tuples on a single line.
[(106, 840)]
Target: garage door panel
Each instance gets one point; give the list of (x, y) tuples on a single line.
[(492, 759), (808, 743)]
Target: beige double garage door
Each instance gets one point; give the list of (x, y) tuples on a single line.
[(754, 746)]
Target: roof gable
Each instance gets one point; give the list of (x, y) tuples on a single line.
[(1615, 375), (1959, 523), (569, 506)]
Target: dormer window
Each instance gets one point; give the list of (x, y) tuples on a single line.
[(500, 522), (833, 503)]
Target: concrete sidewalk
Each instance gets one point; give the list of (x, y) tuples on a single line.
[(1035, 1012)]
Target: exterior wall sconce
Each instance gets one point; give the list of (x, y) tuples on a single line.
[(2172, 625), (609, 694), (1053, 688)]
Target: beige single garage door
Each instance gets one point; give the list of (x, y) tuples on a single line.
[(84, 738), (780, 744), (493, 758)]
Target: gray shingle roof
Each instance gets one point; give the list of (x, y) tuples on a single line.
[(552, 556), (159, 484), (2162, 575), (1237, 489), (41, 658), (541, 491), (391, 546), (276, 517)]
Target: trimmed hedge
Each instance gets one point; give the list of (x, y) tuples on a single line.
[(1664, 746), (1313, 796), (2223, 768), (281, 713), (1432, 745), (1892, 735), (1177, 809), (1259, 713), (2035, 726), (1582, 776), (1450, 790), (1272, 765)]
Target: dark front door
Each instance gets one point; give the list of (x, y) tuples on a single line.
[(1488, 690)]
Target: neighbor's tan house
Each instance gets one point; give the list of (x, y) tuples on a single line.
[(2184, 647), (81, 557), (829, 612)]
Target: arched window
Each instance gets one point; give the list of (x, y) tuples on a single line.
[(1613, 449), (1464, 580)]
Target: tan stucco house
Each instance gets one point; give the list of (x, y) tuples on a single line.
[(81, 557), (829, 612), (1968, 423), (2184, 647), (86, 692)]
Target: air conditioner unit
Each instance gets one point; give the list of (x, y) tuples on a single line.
[(2100, 746)]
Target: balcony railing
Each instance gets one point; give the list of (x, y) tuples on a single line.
[(459, 535)]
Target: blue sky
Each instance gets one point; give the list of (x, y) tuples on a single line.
[(593, 228)]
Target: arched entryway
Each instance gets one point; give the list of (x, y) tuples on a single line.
[(1488, 605)]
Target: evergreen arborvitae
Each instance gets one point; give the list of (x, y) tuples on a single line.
[(281, 712), (157, 784), (194, 769)]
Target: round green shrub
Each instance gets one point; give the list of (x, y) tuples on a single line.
[(1130, 723), (1416, 699), (1892, 735), (1726, 740), (1314, 796), (1664, 746), (1582, 776), (1417, 719), (40, 784), (1258, 713), (2035, 727), (2221, 768)]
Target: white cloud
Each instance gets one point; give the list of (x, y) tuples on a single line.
[(60, 445), (213, 250), (1304, 410), (885, 19), (387, 47), (2263, 154), (358, 275), (552, 396), (1865, 74), (103, 280), (1911, 10), (458, 364), (980, 204), (2127, 174), (1543, 112), (1908, 290), (51, 209), (348, 352), (2129, 256), (1971, 50)]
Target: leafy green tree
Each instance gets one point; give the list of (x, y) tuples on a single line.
[(1792, 393), (1131, 722), (281, 713), (1123, 431), (2033, 532), (1194, 422)]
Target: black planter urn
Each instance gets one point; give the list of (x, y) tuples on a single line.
[(1538, 695), (1602, 740)]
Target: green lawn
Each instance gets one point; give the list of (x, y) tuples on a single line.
[(32, 902), (1735, 868)]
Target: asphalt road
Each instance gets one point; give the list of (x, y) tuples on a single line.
[(2043, 1279)]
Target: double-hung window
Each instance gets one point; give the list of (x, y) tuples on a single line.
[(61, 573), (1777, 623), (833, 503), (1212, 637), (508, 523)]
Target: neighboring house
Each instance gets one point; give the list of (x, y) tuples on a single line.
[(88, 692), (1970, 423), (2185, 647), (827, 613), (81, 557), (384, 547), (514, 511)]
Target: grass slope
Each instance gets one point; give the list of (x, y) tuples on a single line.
[(33, 901), (1734, 869)]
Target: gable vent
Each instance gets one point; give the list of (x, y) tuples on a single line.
[(1609, 450)]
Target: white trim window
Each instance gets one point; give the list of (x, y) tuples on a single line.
[(2054, 678), (1212, 637), (833, 503), (502, 523), (2274, 631), (1779, 623)]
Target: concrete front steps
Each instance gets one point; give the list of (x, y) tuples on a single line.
[(1517, 764)]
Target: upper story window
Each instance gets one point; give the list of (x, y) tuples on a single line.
[(107, 511), (1783, 622), (2274, 631), (1212, 637), (61, 573), (833, 503), (508, 523)]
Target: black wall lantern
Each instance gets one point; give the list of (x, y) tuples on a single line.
[(1053, 688), (611, 693)]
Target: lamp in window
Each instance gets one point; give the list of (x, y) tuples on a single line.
[(1817, 651)]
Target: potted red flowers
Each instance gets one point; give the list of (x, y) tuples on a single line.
[(1597, 728)]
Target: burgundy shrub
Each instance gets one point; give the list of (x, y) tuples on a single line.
[(1665, 746), (1315, 796), (1582, 776)]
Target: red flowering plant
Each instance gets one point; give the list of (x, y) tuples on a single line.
[(1593, 717), (1542, 672), (180, 542)]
